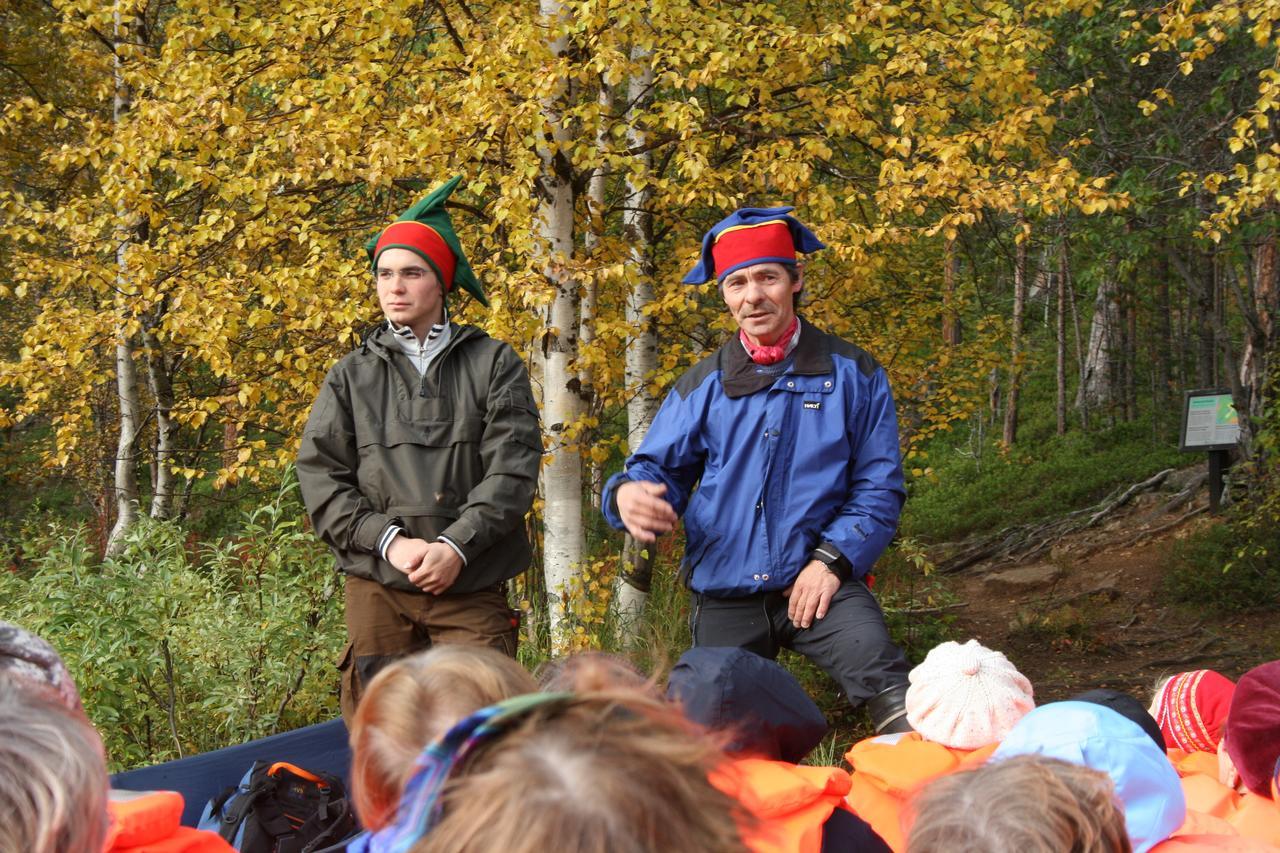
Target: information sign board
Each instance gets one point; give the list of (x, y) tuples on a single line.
[(1209, 421)]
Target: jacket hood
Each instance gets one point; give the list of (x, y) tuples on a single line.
[(1098, 737), (753, 699)]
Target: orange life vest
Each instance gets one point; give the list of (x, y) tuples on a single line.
[(149, 822), (1187, 763), (889, 770), (790, 802), (1252, 816), (1201, 831)]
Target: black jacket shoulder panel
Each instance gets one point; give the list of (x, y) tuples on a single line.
[(867, 365), (696, 375)]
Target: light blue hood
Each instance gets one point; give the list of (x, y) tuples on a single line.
[(1098, 737)]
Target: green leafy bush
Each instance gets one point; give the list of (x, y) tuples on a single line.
[(1226, 567), (988, 490), (179, 649)]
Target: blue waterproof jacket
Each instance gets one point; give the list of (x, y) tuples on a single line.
[(786, 458)]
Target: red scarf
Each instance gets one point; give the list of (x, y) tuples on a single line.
[(770, 353)]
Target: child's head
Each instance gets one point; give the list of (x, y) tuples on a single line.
[(1098, 737), (615, 771), (589, 671), (1191, 709), (411, 703), (966, 696), (1129, 708), (53, 780), (753, 703), (1025, 804), (1251, 737), (33, 664)]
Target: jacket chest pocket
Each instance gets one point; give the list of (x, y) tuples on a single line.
[(808, 393), (814, 414)]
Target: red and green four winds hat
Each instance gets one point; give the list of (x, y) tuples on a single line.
[(426, 230)]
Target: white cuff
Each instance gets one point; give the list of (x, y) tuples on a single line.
[(446, 540), (392, 531)]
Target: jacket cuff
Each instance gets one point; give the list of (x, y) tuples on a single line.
[(454, 545), (384, 541), (461, 536), (835, 561), (610, 507), (369, 532)]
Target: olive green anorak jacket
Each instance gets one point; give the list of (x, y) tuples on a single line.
[(454, 452)]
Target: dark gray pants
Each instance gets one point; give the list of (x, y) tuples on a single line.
[(851, 643)]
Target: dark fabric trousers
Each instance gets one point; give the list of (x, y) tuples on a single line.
[(851, 643), (384, 624)]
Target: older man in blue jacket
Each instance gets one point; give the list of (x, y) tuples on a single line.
[(791, 438)]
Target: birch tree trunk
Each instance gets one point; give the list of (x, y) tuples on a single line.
[(1060, 353), (587, 310), (951, 333), (1083, 406), (1096, 385), (563, 535), (642, 348), (126, 476), (1015, 345), (1258, 298), (160, 380)]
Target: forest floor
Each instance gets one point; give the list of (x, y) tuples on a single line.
[(1089, 609)]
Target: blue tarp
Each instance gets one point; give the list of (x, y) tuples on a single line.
[(322, 747)]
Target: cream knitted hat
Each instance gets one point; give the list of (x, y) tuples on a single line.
[(966, 696)]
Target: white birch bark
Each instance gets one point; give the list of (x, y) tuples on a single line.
[(642, 348), (161, 384), (125, 473), (1010, 434), (1096, 387), (591, 242), (562, 478)]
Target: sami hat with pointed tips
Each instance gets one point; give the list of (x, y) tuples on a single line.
[(426, 230), (752, 235)]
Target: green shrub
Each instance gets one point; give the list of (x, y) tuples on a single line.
[(1226, 567), (987, 490), (179, 650)]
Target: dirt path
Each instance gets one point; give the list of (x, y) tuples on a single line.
[(1090, 613)]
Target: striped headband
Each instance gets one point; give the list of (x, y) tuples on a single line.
[(419, 808)]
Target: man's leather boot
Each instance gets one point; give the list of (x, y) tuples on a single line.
[(888, 710)]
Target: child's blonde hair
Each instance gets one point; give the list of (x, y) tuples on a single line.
[(615, 771), (411, 703), (53, 780)]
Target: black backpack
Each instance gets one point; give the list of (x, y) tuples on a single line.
[(280, 808)]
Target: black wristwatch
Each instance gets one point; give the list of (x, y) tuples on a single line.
[(830, 556)]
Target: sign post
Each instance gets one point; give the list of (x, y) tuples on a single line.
[(1210, 423)]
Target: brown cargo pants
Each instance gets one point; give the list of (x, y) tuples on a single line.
[(384, 624)]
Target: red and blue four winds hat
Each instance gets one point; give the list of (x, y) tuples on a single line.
[(426, 230), (751, 235)]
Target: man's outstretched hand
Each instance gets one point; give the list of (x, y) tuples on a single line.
[(644, 510)]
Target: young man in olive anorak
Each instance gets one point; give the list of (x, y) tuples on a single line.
[(420, 460)]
